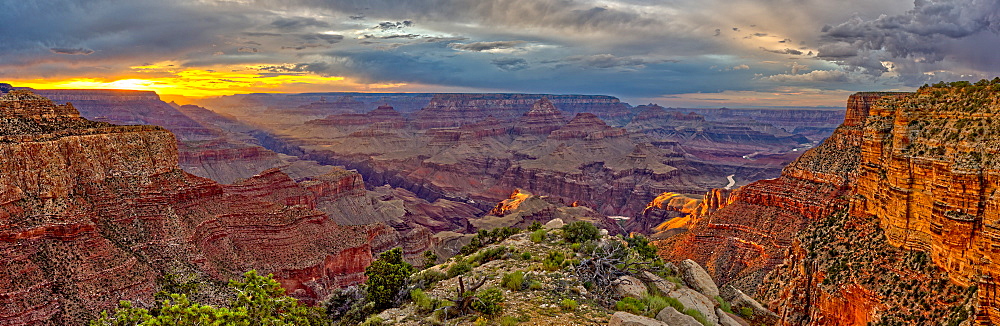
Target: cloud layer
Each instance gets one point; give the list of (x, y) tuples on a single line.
[(637, 49)]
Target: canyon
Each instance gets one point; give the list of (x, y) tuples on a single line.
[(888, 221), (93, 213), (478, 148), (210, 196)]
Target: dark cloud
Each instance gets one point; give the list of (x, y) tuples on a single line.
[(926, 34), (510, 64), (486, 46), (393, 25), (329, 38), (784, 51), (824, 76), (393, 36), (75, 51), (297, 23), (605, 61)]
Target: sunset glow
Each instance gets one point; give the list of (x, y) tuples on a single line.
[(204, 83)]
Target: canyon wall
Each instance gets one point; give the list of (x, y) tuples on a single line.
[(210, 145), (92, 213), (899, 201)]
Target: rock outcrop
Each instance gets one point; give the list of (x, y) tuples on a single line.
[(92, 213), (542, 119), (209, 145), (904, 185)]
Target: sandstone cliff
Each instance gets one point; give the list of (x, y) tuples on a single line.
[(899, 201), (209, 145), (92, 213)]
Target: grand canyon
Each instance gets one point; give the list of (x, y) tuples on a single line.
[(499, 162), (98, 200)]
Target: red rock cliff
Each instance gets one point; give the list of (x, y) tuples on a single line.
[(91, 214)]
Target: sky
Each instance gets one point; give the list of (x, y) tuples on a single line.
[(681, 53)]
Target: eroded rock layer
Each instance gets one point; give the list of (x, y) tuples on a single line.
[(209, 145), (900, 199), (91, 214)]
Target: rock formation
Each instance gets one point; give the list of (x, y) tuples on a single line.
[(92, 213), (209, 145), (899, 199)]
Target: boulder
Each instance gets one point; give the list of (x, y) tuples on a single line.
[(727, 319), (628, 286), (738, 300), (692, 299), (622, 318), (698, 279), (673, 317), (555, 223), (657, 282)]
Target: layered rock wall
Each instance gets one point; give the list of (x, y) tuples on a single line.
[(90, 216)]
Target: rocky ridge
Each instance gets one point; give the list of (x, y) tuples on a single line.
[(93, 213), (905, 184)]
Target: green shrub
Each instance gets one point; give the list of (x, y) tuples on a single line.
[(723, 304), (260, 300), (568, 304), (575, 246), (430, 258), (746, 313), (458, 268), (641, 245), (488, 255), (673, 302), (697, 316), (427, 278), (631, 305), (654, 304), (386, 276), (538, 236), (525, 255), (489, 302), (554, 261), (508, 321), (425, 303), (513, 281), (373, 321), (534, 285), (535, 226), (484, 238), (579, 231)]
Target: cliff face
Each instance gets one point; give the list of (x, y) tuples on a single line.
[(906, 184), (452, 110), (744, 239), (91, 214), (930, 173), (206, 145)]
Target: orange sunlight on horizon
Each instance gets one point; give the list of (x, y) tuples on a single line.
[(199, 83)]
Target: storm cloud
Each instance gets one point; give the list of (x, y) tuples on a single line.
[(486, 46), (926, 35), (630, 48)]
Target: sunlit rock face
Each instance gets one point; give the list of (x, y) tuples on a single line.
[(915, 172), (92, 213), (746, 235), (207, 145)]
